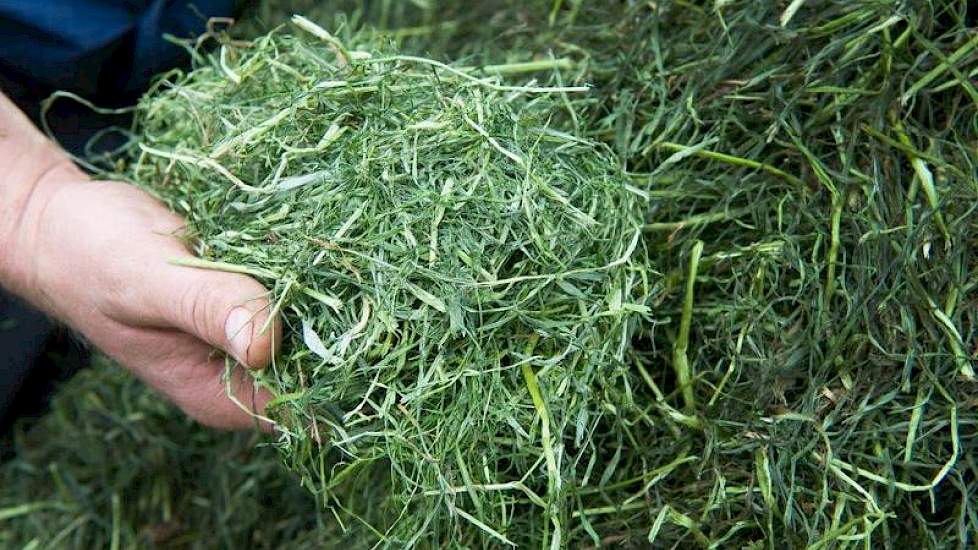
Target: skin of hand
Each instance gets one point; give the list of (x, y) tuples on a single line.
[(97, 256)]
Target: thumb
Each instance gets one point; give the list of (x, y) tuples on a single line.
[(227, 310)]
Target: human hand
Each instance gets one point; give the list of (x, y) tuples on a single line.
[(96, 255)]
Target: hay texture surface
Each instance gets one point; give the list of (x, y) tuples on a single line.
[(804, 376)]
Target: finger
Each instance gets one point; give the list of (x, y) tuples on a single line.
[(194, 379), (227, 310), (210, 400), (230, 311)]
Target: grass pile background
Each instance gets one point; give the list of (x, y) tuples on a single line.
[(824, 156), (112, 465)]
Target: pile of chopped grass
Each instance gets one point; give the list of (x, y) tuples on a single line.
[(805, 375), (459, 278)]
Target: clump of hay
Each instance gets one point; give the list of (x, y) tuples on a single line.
[(459, 277)]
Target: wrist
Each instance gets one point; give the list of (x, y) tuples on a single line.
[(32, 170), (24, 200)]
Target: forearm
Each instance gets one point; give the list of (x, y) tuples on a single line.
[(30, 164)]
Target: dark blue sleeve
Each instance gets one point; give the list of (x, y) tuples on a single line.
[(97, 48)]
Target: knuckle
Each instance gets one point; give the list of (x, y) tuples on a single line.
[(195, 306)]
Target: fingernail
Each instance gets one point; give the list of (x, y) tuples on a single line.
[(238, 329)]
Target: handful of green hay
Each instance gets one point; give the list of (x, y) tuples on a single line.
[(454, 272)]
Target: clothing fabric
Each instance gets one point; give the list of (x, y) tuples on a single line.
[(23, 333), (98, 48)]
